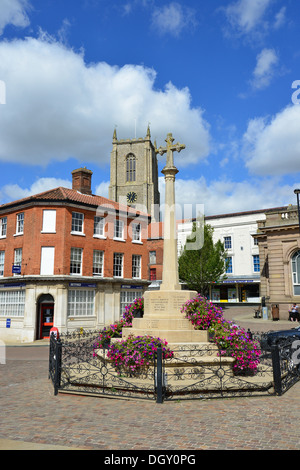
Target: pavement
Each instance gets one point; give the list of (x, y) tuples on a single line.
[(32, 418)]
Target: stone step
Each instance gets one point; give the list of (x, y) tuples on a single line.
[(171, 336)]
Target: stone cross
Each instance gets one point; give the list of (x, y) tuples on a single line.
[(169, 149), (170, 280)]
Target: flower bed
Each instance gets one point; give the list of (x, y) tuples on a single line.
[(115, 329), (135, 353), (231, 340), (201, 312), (235, 342)]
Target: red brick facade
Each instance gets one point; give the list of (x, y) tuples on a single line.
[(65, 202)]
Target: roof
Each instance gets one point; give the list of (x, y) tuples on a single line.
[(67, 195)]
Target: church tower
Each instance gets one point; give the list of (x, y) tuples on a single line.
[(134, 174)]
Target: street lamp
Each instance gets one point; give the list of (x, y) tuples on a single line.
[(297, 192)]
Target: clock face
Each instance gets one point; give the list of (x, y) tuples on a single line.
[(131, 197)]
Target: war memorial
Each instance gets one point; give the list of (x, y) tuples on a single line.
[(185, 362)]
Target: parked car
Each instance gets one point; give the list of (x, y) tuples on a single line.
[(289, 347), (279, 337)]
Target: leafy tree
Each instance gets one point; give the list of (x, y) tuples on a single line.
[(200, 264)]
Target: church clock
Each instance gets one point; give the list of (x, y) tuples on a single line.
[(131, 197)]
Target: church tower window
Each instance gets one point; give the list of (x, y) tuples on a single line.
[(130, 168)]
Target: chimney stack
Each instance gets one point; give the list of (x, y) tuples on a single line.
[(82, 180)]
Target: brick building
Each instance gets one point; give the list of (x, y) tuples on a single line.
[(69, 259)]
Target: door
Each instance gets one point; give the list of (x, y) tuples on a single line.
[(47, 318)]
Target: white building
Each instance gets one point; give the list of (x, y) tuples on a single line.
[(243, 273)]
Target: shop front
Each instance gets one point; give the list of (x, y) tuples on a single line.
[(236, 291)]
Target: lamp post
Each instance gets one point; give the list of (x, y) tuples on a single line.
[(297, 192)]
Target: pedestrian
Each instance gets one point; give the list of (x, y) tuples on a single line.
[(294, 313)]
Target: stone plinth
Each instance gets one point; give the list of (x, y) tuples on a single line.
[(163, 319)]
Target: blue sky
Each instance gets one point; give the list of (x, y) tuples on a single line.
[(222, 76)]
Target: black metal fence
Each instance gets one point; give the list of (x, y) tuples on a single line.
[(193, 372)]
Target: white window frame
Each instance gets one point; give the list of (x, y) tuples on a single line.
[(47, 260), (18, 255), (77, 223), (3, 227), (81, 302), (119, 229), (2, 262), (136, 233), (136, 266), (20, 224), (99, 225), (12, 303), (226, 239), (98, 263), (76, 261), (49, 221), (118, 265)]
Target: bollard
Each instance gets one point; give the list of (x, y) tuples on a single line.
[(159, 381)]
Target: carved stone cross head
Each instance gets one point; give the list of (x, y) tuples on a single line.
[(169, 149)]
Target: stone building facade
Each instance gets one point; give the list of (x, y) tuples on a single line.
[(68, 259), (279, 251), (134, 174)]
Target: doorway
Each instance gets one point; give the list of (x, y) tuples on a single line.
[(46, 316)]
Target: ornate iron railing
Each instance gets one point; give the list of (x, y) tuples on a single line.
[(193, 373)]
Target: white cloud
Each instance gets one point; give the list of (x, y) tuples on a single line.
[(11, 192), (225, 196), (280, 18), (272, 146), (246, 16), (172, 18), (57, 106), (264, 71), (14, 12)]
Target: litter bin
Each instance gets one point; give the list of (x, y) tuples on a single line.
[(275, 312)]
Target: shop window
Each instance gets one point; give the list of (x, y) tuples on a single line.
[(81, 302), (12, 303)]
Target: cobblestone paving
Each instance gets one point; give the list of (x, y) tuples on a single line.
[(31, 413)]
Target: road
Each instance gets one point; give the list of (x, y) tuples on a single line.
[(33, 418)]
